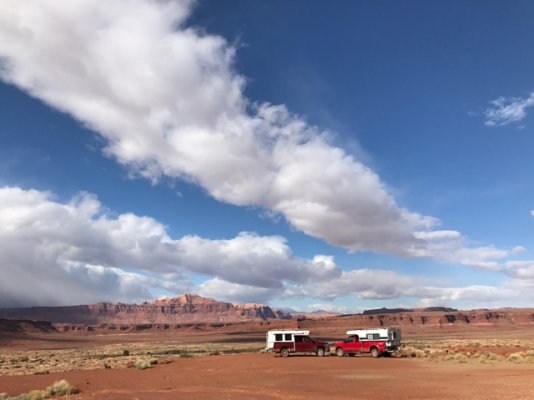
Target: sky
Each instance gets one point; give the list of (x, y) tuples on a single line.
[(303, 154)]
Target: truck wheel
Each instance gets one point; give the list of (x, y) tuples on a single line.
[(284, 352), (374, 352), (340, 352), (320, 351)]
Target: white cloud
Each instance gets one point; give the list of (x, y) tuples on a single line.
[(52, 253), (518, 250), (235, 293), (64, 253), (532, 212), (452, 247), (504, 111), (364, 283), (438, 235), (513, 293), (168, 101), (77, 252), (523, 270)]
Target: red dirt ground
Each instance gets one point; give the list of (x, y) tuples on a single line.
[(266, 377)]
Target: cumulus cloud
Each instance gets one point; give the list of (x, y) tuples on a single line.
[(60, 253), (168, 101), (513, 293), (452, 247), (504, 111), (73, 252), (235, 293), (523, 270), (364, 283), (52, 253)]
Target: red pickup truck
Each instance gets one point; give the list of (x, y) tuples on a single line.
[(301, 344), (376, 341)]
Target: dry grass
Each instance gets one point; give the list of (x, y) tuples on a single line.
[(59, 388), (485, 351), (40, 362), (144, 354)]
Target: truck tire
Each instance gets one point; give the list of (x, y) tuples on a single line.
[(284, 352), (340, 352), (319, 351), (374, 352)]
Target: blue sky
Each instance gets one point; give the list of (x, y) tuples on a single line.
[(335, 155)]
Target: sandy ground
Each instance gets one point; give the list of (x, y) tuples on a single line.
[(264, 376)]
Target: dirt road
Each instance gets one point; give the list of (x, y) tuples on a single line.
[(263, 376)]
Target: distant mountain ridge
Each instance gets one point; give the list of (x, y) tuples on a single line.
[(188, 308)]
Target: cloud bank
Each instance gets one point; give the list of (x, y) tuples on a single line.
[(54, 253)]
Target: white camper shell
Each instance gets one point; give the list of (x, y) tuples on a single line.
[(283, 335), (392, 336)]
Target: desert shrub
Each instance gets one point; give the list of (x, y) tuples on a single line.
[(415, 353), (487, 356), (41, 372), (126, 352), (37, 395), (185, 354), (461, 358), (62, 388), (234, 350), (152, 360), (59, 388), (142, 364), (516, 357)]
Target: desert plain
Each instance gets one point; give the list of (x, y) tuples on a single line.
[(456, 361)]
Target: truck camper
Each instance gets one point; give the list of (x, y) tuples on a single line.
[(282, 335)]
